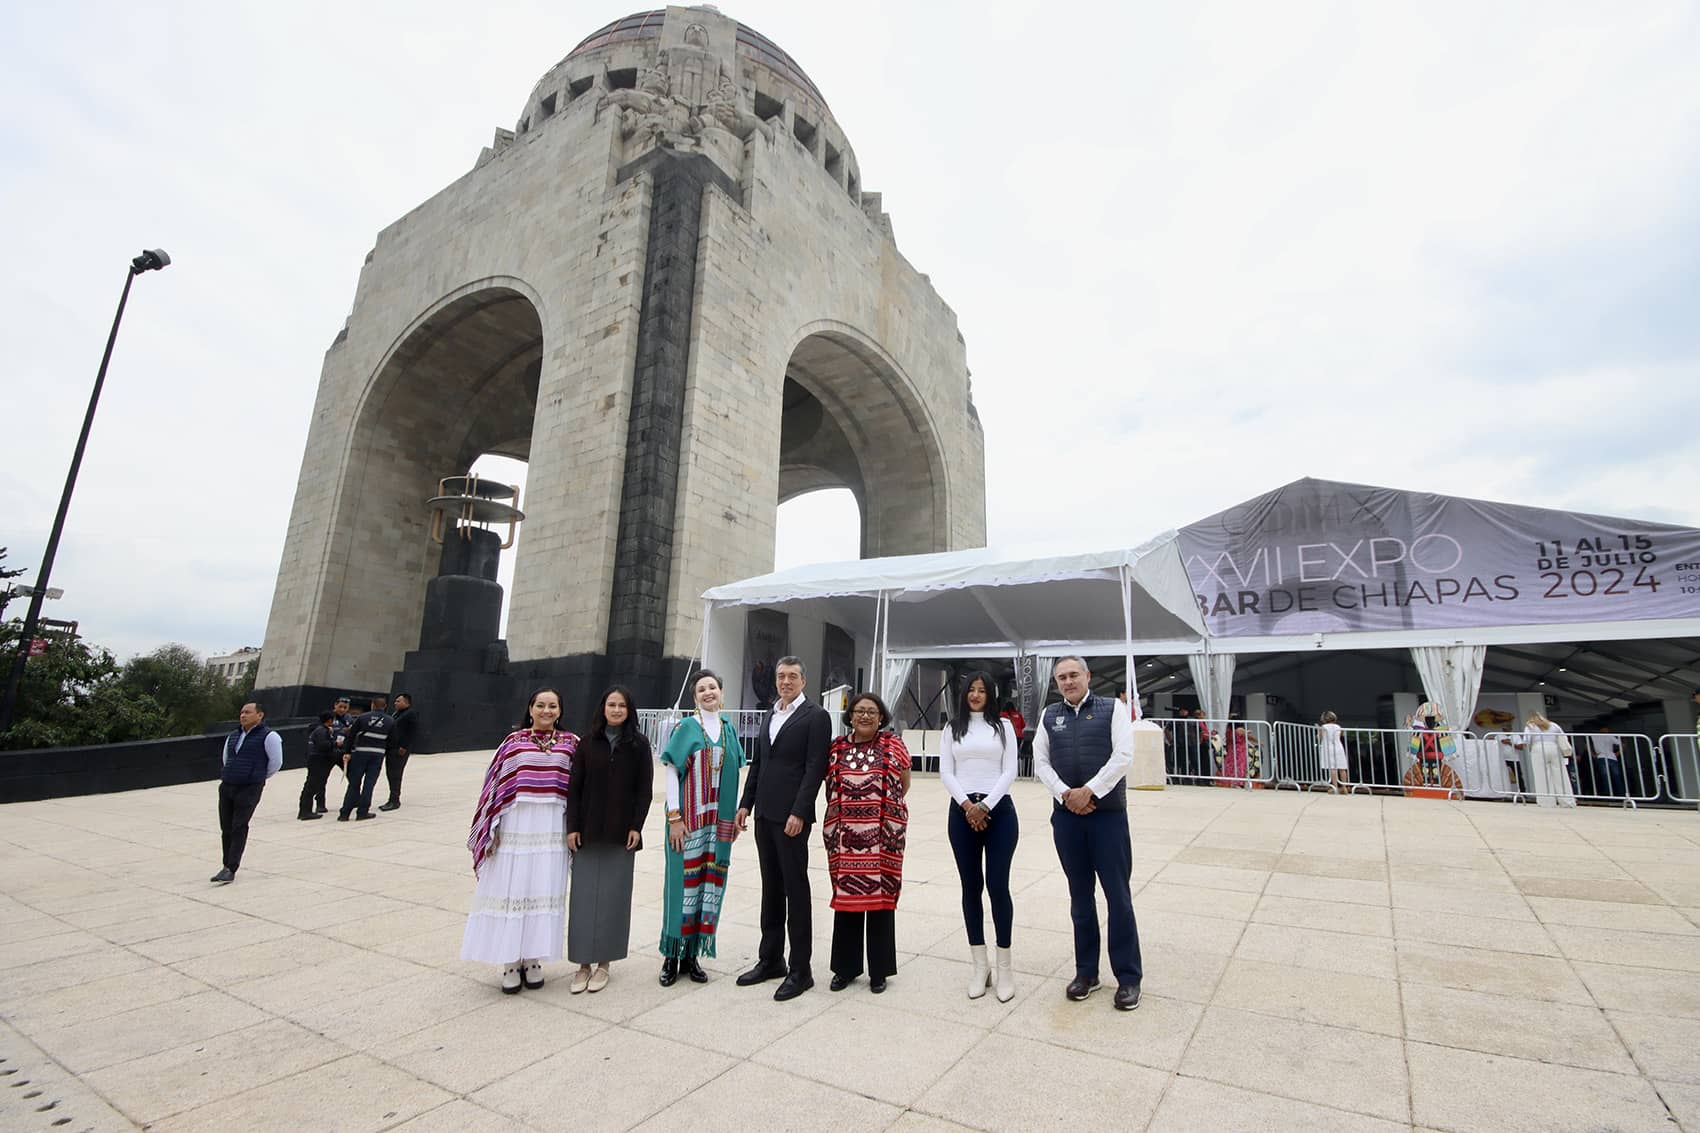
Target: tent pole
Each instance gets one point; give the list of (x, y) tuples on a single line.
[(1127, 632)]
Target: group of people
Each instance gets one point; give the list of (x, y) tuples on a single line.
[(558, 807), (363, 745)]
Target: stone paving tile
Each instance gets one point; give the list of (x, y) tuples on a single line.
[(610, 1081), (1195, 1105), (1683, 1102), (1328, 889), (460, 1056), (1481, 969), (1311, 948), (90, 1045), (1365, 1073), (1565, 1033), (1576, 889), (98, 998), (1664, 1048), (1154, 1035), (1214, 877), (733, 1020), (1328, 916), (1650, 991), (351, 1094), (1634, 916), (850, 1046), (1319, 865), (461, 1116), (196, 1073), (1310, 995), (993, 1088), (1507, 904), (1468, 1092), (754, 1099), (1159, 895), (1473, 932), (1639, 949)]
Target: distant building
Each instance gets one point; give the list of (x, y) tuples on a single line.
[(233, 666)]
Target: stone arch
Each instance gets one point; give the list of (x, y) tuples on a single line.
[(852, 418), (460, 381)]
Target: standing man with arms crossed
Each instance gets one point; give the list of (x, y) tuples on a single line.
[(366, 743), (787, 764), (406, 724), (1081, 751), (252, 754)]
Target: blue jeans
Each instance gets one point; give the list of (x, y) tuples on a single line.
[(1096, 851), (1608, 776), (363, 769), (995, 848)]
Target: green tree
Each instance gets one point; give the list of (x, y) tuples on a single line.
[(71, 695), (176, 678)]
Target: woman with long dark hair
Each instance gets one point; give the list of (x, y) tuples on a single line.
[(612, 780), (519, 849), (977, 761)]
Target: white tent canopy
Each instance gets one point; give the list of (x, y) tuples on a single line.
[(994, 602)]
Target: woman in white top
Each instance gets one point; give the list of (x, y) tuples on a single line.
[(1549, 750), (1331, 747), (977, 760)]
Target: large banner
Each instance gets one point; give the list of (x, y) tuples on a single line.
[(767, 638), (1323, 557)]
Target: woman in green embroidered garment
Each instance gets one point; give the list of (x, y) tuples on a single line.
[(700, 773)]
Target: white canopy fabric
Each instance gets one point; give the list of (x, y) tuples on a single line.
[(995, 602)]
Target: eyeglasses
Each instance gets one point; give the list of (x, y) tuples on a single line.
[(866, 712)]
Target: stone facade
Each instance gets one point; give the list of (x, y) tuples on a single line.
[(665, 290)]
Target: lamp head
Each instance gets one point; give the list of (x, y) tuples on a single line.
[(151, 260)]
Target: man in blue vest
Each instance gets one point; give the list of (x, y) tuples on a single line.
[(1081, 750), (252, 754)]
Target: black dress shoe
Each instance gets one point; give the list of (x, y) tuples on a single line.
[(309, 816), (342, 816), (1127, 997), (364, 817), (693, 969), (838, 982), (391, 805), (669, 972), (761, 973), (1081, 987), (319, 808), (877, 984), (793, 986), (222, 877)]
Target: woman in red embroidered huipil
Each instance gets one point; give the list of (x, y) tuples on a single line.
[(865, 827)]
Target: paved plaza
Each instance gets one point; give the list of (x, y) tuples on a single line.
[(1312, 962)]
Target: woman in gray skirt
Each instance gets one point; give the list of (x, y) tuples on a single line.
[(613, 775)]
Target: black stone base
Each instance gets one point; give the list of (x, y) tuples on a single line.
[(464, 707)]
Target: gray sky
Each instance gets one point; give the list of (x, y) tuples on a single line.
[(1202, 249)]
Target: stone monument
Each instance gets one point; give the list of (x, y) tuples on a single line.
[(667, 291)]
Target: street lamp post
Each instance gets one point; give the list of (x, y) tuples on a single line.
[(151, 260)]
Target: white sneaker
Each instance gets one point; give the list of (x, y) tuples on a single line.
[(510, 980)]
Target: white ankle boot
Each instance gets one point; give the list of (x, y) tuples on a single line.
[(980, 978), (1006, 977)]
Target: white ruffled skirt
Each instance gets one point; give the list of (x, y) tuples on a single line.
[(519, 906)]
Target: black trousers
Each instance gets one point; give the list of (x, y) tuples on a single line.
[(318, 774), (784, 896), (1096, 852), (879, 928), (394, 764), (236, 803)]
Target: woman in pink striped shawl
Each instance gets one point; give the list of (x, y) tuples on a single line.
[(519, 849)]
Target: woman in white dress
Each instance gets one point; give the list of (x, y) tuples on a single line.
[(1331, 747), (519, 849), (1549, 750)]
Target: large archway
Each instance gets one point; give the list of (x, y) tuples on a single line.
[(852, 420), (460, 383)]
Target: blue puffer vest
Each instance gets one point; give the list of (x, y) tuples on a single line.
[(1080, 745), (245, 756)]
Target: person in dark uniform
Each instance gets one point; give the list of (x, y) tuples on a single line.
[(364, 747), (1081, 751), (321, 757), (786, 769), (252, 754), (401, 742)]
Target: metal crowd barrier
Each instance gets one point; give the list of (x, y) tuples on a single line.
[(1377, 760), (1681, 754), (1593, 778), (658, 724), (1208, 751)]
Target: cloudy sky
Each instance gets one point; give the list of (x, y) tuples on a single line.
[(1201, 249)]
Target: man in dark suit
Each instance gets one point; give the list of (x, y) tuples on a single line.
[(787, 764)]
